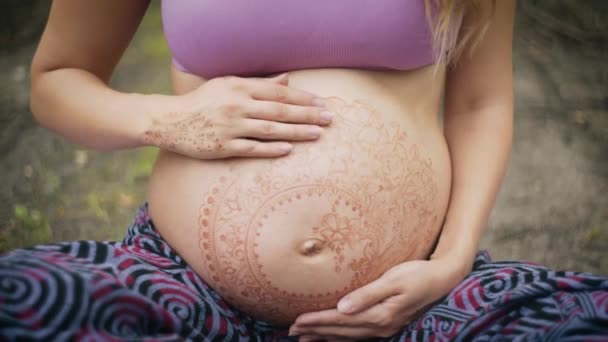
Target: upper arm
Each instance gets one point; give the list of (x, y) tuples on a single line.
[(88, 35), (484, 76)]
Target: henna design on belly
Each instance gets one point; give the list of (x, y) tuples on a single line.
[(298, 233)]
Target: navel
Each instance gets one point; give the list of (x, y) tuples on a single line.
[(311, 247)]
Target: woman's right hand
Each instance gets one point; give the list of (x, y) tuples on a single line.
[(240, 117)]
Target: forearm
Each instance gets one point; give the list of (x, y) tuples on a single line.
[(479, 141), (79, 106)]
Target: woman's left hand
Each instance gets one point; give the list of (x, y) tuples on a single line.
[(384, 306)]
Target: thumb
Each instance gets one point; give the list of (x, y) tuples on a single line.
[(367, 296), (281, 78)]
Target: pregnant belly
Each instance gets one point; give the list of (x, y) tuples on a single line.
[(279, 237)]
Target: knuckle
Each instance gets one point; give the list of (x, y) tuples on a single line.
[(383, 320), (230, 107), (221, 127), (281, 94), (340, 320), (246, 148), (281, 112), (250, 148), (267, 129)]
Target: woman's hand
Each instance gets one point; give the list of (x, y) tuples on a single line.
[(385, 306), (240, 117)]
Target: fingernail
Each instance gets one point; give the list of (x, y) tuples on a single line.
[(286, 148), (314, 131), (326, 117), (318, 102), (345, 306)]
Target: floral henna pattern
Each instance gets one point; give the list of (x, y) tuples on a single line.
[(189, 133), (357, 211), (339, 234)]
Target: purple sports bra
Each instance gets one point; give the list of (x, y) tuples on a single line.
[(212, 38)]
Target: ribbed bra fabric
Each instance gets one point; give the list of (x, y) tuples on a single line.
[(257, 37)]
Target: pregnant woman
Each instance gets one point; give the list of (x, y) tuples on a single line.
[(305, 184)]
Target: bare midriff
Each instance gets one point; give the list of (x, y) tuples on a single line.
[(279, 237)]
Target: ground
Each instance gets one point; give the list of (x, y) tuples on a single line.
[(552, 209)]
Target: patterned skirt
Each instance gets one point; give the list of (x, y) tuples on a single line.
[(140, 289)]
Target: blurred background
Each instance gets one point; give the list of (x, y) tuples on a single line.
[(553, 207)]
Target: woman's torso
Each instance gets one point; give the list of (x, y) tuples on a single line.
[(278, 237)]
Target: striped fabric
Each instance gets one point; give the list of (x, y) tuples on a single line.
[(140, 289)]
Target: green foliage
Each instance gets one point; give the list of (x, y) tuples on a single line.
[(155, 46), (142, 167), (597, 233), (154, 43), (94, 204), (27, 227)]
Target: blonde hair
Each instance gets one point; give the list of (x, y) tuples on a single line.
[(450, 37)]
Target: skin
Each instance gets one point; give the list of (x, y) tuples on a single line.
[(79, 51), (383, 135), (478, 128), (350, 222)]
